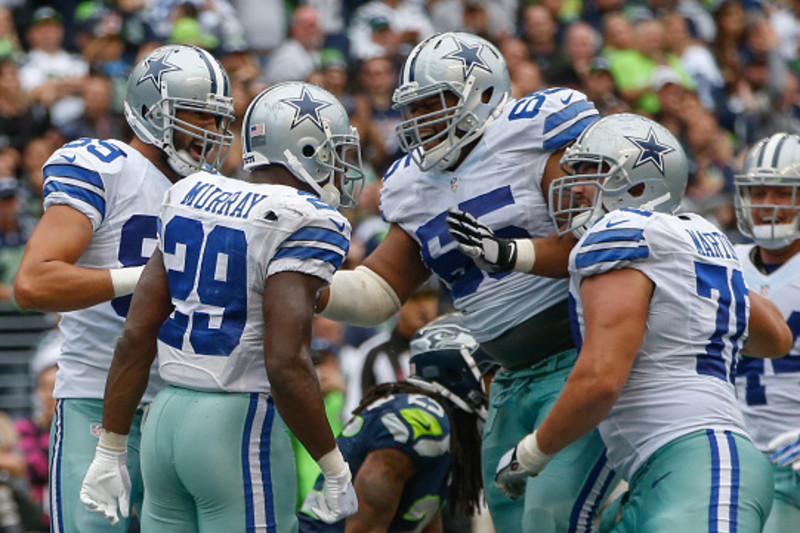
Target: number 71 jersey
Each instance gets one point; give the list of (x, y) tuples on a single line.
[(221, 239), (682, 378)]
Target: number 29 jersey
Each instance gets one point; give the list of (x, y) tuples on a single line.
[(119, 191), (769, 389), (221, 239), (682, 378), (499, 182)]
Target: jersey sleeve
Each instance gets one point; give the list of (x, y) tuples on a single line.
[(615, 242), (417, 426), (316, 245), (76, 176)]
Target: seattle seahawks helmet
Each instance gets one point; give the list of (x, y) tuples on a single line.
[(306, 129), (464, 65), (446, 359), (177, 78), (772, 162), (633, 162)]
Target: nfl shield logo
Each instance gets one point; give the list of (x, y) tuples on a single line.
[(454, 184)]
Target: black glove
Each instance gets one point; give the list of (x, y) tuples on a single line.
[(478, 241)]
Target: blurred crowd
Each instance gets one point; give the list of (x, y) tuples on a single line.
[(719, 75)]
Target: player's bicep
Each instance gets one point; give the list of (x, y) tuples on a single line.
[(397, 260), (770, 335), (615, 306), (379, 485), (62, 234)]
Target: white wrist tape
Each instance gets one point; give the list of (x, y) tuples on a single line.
[(113, 442), (530, 457), (124, 279), (526, 255), (332, 463), (360, 297)]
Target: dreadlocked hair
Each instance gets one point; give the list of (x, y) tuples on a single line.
[(465, 444)]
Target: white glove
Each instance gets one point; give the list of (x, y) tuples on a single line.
[(338, 498), (786, 448), (106, 487), (518, 464)]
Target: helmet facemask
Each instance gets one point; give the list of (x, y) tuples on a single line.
[(778, 224)]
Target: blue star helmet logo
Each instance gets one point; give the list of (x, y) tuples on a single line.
[(650, 150), (469, 56), (155, 68), (306, 108)]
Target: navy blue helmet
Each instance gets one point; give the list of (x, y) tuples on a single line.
[(446, 358)]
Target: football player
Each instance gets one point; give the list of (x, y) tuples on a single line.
[(767, 207), (473, 148), (101, 201), (660, 310), (412, 444), (227, 301)]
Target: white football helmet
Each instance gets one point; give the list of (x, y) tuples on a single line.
[(177, 78), (633, 162), (465, 65), (306, 129), (446, 358), (771, 162)]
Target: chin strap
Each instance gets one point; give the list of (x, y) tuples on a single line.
[(328, 193)]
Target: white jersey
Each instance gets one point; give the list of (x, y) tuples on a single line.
[(682, 378), (221, 239), (769, 389), (499, 182), (119, 191)]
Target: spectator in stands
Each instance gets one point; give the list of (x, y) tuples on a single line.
[(98, 120), (298, 56), (525, 79), (581, 43), (9, 38), (15, 229), (539, 34), (50, 74), (21, 119), (36, 153), (377, 79), (600, 88), (387, 28)]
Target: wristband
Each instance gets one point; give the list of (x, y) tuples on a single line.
[(332, 463), (526, 256), (124, 279), (113, 442), (530, 457)]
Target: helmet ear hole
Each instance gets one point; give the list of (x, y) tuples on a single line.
[(637, 190), (308, 150), (487, 95)]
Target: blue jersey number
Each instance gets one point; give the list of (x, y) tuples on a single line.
[(134, 232), (104, 151), (752, 368), (731, 293), (220, 283), (455, 269)]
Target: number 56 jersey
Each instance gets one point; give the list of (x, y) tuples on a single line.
[(682, 378), (221, 239)]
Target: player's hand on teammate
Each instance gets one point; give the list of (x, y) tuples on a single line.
[(106, 488), (786, 449), (338, 498), (521, 462), (477, 240)]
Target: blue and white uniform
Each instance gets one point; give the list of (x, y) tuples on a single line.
[(119, 191), (769, 389), (500, 182), (677, 416), (221, 239), (414, 424)]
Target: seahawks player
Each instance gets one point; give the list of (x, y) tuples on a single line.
[(101, 201), (228, 299), (412, 444), (768, 204), (660, 311), (471, 147)]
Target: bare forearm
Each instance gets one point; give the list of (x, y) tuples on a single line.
[(297, 396), (552, 255), (127, 381), (59, 286), (583, 403)]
